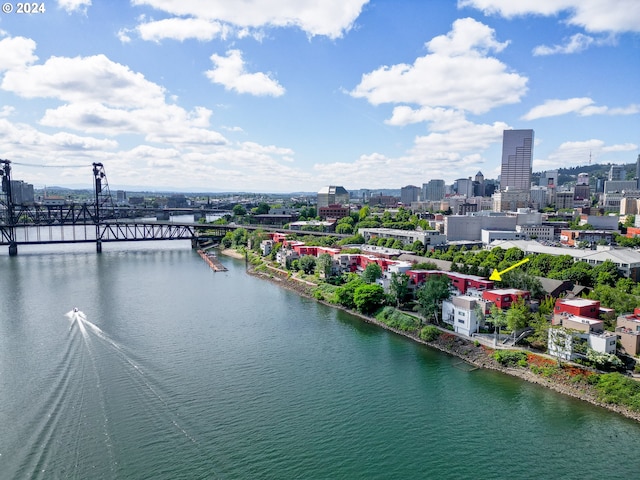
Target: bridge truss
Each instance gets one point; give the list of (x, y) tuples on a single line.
[(96, 222)]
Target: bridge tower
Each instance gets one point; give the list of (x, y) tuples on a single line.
[(7, 209), (104, 207)]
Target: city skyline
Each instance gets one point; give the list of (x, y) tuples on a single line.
[(294, 95)]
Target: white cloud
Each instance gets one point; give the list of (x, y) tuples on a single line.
[(181, 29), (84, 79), (162, 124), (552, 108), (230, 72), (455, 74), (6, 111), (20, 141), (329, 18), (576, 44), (450, 154), (582, 106), (166, 145), (592, 15), (593, 110), (16, 52), (577, 153), (74, 5)]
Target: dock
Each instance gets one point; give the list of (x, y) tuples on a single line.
[(212, 260)]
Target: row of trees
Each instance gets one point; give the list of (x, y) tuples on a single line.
[(559, 267)]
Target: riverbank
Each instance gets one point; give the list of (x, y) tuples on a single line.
[(561, 380)]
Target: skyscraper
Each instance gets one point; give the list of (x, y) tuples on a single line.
[(517, 155), (409, 194), (617, 172), (434, 190)]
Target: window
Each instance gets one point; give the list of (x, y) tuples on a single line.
[(461, 321)]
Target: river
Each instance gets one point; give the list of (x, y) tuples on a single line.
[(179, 372)]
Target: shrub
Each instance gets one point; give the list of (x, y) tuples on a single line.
[(429, 333), (617, 389), (396, 319), (511, 357)]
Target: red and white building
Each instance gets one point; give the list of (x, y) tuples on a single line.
[(503, 298)]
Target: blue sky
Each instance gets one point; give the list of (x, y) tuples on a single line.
[(291, 95)]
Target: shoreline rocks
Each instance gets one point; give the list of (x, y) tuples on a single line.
[(455, 345)]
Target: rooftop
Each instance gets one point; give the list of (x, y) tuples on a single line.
[(506, 291), (578, 302)]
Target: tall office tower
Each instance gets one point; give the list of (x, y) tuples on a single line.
[(617, 172), (517, 155), (409, 194), (638, 172), (478, 185), (434, 190), (464, 186)]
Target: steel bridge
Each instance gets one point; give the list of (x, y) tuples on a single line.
[(94, 222)]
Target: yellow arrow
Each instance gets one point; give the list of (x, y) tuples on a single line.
[(496, 275)]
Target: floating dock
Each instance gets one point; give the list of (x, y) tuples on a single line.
[(212, 261)]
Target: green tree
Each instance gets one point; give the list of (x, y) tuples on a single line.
[(256, 237), (399, 287), (239, 210), (513, 255), (227, 240), (630, 221), (606, 273), (344, 294), (307, 263), (518, 316), (344, 229), (431, 295), (425, 266), (417, 247), (498, 318), (364, 212), (368, 298), (261, 209), (324, 265), (560, 263), (523, 281), (372, 272), (561, 339), (239, 237)]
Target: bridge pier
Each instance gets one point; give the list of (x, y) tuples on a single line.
[(13, 249), (98, 246)]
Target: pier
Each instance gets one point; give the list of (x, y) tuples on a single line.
[(212, 260)]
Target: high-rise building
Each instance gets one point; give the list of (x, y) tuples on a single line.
[(517, 156), (464, 186), (409, 194), (21, 192), (478, 185), (617, 172), (434, 190)]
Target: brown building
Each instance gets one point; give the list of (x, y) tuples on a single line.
[(333, 211), (628, 331)]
